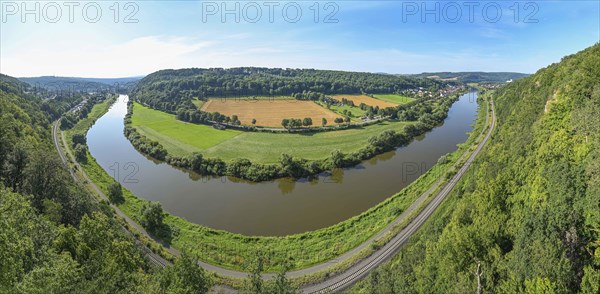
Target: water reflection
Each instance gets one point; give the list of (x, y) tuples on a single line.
[(286, 186), (282, 206)]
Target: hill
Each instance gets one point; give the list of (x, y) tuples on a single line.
[(170, 89), (53, 83), (473, 77), (526, 218), (54, 236), (9, 84)]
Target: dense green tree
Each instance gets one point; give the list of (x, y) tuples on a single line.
[(45, 178), (185, 276), (80, 153), (52, 210), (152, 216), (54, 238), (115, 192), (307, 121), (14, 168), (79, 139), (337, 158), (525, 217)]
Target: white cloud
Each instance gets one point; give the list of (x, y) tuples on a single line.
[(145, 55), (137, 56)]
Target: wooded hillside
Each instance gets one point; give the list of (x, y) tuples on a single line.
[(527, 216), (169, 89)]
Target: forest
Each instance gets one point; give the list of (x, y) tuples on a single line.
[(55, 236), (169, 90), (52, 84), (526, 218), (475, 77)]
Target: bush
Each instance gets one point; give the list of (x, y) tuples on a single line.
[(152, 216), (80, 153), (78, 139), (443, 159), (115, 193)]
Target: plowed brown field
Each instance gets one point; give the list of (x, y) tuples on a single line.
[(269, 113)]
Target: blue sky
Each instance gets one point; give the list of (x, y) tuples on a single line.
[(375, 36)]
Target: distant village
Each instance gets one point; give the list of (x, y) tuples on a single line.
[(421, 92)]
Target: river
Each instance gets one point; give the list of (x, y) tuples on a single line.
[(278, 207)]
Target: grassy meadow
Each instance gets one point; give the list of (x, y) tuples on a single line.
[(394, 98), (181, 138), (267, 147), (355, 112)]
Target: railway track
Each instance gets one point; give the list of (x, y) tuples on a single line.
[(361, 269), (335, 283), (152, 257)]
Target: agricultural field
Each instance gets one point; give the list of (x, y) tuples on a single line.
[(181, 138), (354, 112), (358, 99), (267, 147), (394, 98), (269, 112)]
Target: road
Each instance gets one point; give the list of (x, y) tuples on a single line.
[(361, 269), (334, 283)]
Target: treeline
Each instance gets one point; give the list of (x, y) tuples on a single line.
[(474, 77), (141, 143), (53, 108), (169, 90), (433, 113), (526, 216), (56, 238), (411, 111), (63, 85), (201, 117)]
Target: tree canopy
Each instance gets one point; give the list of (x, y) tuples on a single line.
[(526, 217), (169, 90)]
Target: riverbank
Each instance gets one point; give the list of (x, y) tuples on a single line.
[(265, 156), (234, 250)]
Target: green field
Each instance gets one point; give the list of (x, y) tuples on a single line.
[(180, 138), (394, 98), (354, 111)]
